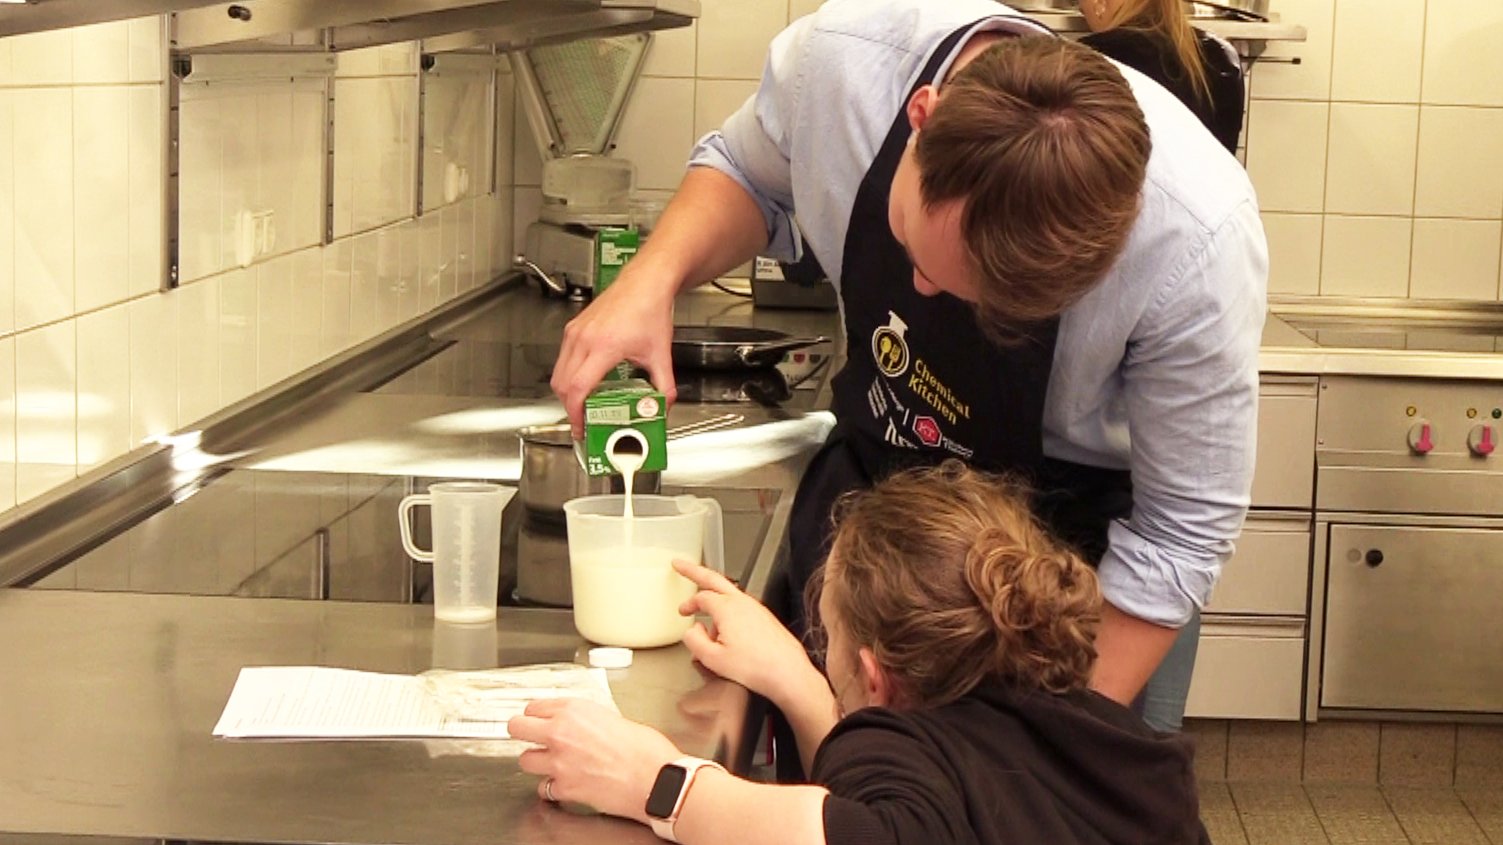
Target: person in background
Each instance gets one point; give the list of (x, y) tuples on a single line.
[(1154, 37), (1046, 267), (954, 708)]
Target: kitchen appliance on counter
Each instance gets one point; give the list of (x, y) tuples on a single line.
[(799, 285), (574, 95)]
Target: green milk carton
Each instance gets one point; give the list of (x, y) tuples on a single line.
[(613, 248), (625, 403)]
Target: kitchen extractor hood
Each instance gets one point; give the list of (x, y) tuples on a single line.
[(441, 25)]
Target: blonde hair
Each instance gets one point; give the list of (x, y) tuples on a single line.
[(948, 578), (1044, 142), (1168, 19)]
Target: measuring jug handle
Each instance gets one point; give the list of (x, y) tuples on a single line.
[(404, 518), (714, 553)]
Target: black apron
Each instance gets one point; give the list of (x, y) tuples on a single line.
[(922, 382)]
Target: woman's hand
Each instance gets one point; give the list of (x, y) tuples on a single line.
[(591, 755), (749, 645)]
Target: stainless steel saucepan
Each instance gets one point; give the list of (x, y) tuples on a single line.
[(551, 474), (733, 347)]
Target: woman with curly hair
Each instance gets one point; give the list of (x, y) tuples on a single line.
[(953, 705)]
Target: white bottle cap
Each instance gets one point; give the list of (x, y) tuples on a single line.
[(610, 658)]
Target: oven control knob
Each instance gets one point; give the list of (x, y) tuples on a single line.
[(1482, 440), (1421, 438)]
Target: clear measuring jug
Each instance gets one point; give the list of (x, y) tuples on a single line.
[(625, 590), (466, 553)]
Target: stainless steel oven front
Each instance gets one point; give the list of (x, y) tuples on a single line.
[(1408, 567)]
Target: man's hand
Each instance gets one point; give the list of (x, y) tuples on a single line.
[(631, 321)]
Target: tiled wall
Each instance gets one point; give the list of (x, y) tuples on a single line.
[(94, 360), (1378, 158)]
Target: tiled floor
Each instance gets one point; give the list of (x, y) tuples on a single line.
[(1350, 783), (1328, 814)]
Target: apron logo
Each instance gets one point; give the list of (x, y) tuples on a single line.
[(889, 349)]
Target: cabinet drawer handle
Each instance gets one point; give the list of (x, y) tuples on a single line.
[(1374, 557)]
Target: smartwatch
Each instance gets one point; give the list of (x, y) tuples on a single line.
[(669, 790)]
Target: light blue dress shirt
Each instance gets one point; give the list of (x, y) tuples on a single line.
[(1155, 370)]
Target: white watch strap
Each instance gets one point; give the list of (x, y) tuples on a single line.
[(691, 766)]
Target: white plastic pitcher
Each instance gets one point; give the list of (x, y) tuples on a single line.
[(625, 590), (466, 553)]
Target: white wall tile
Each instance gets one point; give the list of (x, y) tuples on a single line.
[(431, 262), (238, 334), (527, 159), (407, 297), (1376, 54), (388, 278), (526, 203), (375, 133), (1456, 259), (505, 244), (657, 131), (305, 223), (1286, 154), (672, 52), (1365, 256), (153, 367), (334, 330), (198, 368), (376, 61), (101, 54), (506, 116), (1371, 165), (1293, 252), (364, 286), (717, 99), (146, 59), (1462, 62), (146, 261), (271, 179), (1460, 163), (42, 58), (464, 256), (7, 228), (306, 326), (274, 309), (101, 196), (449, 230), (103, 386), (485, 240), (1311, 78), (6, 79), (200, 179), (456, 136), (43, 205), (734, 34), (46, 409), (7, 423)]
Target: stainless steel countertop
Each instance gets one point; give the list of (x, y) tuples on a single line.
[(109, 700), (1286, 351)]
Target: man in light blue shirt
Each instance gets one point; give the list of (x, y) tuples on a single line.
[(1148, 372)]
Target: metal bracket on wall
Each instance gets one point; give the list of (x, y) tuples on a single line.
[(234, 68), (485, 64)]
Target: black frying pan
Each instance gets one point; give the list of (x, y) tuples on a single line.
[(733, 347)]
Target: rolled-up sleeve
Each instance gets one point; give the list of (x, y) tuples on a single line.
[(753, 146), (1191, 392)]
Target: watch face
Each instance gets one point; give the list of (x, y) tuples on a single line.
[(665, 791)]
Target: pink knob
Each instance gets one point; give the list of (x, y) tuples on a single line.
[(1482, 441), (1420, 439)]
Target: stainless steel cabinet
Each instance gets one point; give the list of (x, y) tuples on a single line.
[(1412, 618)]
